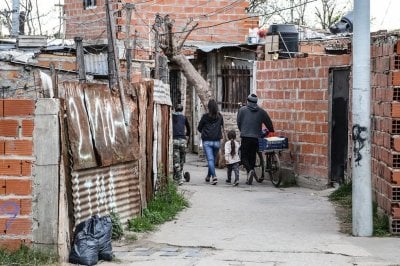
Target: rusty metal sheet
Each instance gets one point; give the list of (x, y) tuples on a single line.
[(143, 91), (98, 106), (96, 64), (79, 134), (102, 190), (132, 104), (165, 125), (113, 138), (149, 86)]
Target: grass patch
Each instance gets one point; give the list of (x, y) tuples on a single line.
[(381, 222), (342, 197), (117, 229), (167, 202), (26, 256)]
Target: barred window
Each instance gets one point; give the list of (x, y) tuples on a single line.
[(235, 87), (175, 86), (89, 4)]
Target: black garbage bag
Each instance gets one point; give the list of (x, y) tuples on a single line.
[(85, 249), (92, 241), (103, 234)]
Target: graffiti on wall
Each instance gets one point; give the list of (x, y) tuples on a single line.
[(104, 151), (11, 209), (97, 130), (359, 138)]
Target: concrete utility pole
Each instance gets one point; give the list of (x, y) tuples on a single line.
[(15, 19), (291, 11), (361, 135)]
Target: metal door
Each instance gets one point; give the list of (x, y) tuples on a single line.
[(339, 102)]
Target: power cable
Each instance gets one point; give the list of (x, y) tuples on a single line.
[(386, 12), (247, 17)]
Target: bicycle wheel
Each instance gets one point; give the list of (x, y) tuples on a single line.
[(259, 167), (274, 168)]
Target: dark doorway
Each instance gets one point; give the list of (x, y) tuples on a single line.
[(339, 86)]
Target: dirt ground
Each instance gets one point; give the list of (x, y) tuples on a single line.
[(344, 218)]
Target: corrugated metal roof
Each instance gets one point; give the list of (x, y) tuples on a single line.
[(16, 56), (209, 46), (96, 64)]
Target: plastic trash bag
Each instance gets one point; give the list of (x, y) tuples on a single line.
[(92, 241), (104, 233), (85, 249)]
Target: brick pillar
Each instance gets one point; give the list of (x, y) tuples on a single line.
[(16, 156)]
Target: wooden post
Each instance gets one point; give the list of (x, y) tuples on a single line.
[(80, 59), (113, 60), (134, 45), (156, 28), (54, 79), (271, 46), (128, 46), (110, 46)]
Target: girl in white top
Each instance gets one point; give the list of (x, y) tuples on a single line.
[(232, 157)]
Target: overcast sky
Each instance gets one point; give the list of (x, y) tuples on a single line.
[(384, 13)]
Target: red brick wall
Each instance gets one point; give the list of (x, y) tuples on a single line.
[(385, 84), (90, 24), (16, 158), (295, 94)]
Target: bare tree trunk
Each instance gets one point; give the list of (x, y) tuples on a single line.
[(193, 77)]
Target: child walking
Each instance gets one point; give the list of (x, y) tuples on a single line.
[(232, 157)]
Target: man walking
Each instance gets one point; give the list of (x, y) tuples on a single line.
[(249, 120), (179, 122)]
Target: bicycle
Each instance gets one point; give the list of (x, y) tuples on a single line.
[(272, 163)]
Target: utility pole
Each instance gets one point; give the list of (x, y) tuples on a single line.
[(291, 11), (15, 19), (361, 133), (61, 18)]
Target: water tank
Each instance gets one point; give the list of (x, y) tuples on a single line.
[(344, 25), (288, 40)]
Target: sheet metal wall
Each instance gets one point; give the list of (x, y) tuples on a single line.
[(101, 190), (104, 151)]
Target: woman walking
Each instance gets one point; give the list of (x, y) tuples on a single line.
[(210, 127)]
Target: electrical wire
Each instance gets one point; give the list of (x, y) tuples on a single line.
[(225, 8), (246, 17), (386, 12)]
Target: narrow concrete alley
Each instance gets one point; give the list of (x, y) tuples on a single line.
[(253, 225)]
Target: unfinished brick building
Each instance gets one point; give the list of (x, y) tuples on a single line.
[(218, 21), (311, 98)]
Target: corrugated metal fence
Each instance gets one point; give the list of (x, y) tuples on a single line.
[(111, 160)]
